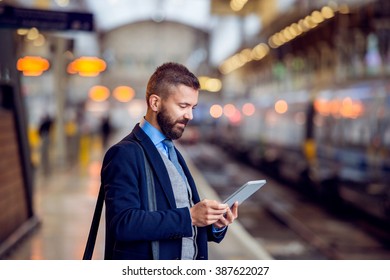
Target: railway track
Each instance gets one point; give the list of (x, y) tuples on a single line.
[(289, 224)]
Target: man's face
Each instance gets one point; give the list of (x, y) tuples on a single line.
[(176, 111)]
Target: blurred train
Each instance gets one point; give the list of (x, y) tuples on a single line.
[(335, 145), (315, 112)]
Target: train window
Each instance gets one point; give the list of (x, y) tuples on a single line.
[(373, 58), (359, 133)]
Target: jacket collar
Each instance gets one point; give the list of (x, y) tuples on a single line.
[(158, 165)]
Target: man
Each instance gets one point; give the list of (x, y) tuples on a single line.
[(182, 224)]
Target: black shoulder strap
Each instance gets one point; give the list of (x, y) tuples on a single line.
[(94, 226), (99, 207)]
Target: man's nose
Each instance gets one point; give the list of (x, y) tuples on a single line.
[(188, 115)]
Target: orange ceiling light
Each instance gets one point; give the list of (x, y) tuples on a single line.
[(32, 65), (99, 93), (87, 66), (123, 93)]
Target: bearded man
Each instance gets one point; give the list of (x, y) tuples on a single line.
[(180, 224)]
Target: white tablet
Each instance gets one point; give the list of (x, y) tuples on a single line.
[(244, 192)]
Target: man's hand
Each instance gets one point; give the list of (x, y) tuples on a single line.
[(230, 216), (207, 212)]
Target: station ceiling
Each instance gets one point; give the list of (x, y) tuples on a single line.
[(110, 14)]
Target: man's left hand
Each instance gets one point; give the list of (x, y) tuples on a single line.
[(229, 217)]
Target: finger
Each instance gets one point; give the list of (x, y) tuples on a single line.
[(215, 211), (213, 221), (215, 217), (232, 213), (225, 222), (235, 210), (218, 212), (215, 204), (223, 206), (218, 225), (229, 217), (219, 206)]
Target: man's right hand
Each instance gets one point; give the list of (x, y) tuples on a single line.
[(207, 212)]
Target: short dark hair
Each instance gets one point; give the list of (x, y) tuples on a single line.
[(167, 75)]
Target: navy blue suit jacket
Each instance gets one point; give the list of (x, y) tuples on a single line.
[(130, 227)]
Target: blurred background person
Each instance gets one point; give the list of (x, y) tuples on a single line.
[(44, 133), (105, 130)]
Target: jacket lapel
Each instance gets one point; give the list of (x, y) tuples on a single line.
[(156, 163)]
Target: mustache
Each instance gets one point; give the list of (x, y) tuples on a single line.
[(183, 121)]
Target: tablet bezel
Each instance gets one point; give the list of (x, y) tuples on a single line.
[(250, 187)]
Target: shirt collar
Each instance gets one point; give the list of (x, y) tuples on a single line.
[(154, 134)]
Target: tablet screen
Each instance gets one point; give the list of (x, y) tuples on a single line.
[(244, 192)]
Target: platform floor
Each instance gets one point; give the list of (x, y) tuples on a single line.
[(64, 202)]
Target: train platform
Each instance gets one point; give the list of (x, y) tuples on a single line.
[(64, 201)]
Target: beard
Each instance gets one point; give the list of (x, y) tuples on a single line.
[(168, 125)]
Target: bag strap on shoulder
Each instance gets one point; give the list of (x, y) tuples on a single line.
[(152, 205), (94, 226)]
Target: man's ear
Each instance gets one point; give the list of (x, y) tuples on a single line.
[(154, 102)]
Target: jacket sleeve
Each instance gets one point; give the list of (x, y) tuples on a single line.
[(127, 216), (215, 236)]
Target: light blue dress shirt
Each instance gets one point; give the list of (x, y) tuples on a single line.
[(155, 135)]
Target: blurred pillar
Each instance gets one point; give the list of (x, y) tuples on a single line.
[(60, 80), (17, 217)]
